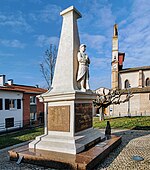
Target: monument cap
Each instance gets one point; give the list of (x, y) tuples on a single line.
[(71, 8)]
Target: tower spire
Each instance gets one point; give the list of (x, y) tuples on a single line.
[(115, 58), (115, 30)]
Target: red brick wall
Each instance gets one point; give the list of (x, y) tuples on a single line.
[(26, 109), (40, 107)]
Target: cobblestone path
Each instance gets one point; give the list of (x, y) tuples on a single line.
[(134, 143)]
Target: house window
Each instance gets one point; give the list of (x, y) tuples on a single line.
[(32, 99), (147, 82), (9, 122), (18, 103), (1, 104), (12, 104), (126, 84), (33, 117)]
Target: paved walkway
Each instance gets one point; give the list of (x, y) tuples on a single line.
[(134, 142)]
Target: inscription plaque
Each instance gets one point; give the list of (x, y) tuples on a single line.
[(83, 116), (59, 118)]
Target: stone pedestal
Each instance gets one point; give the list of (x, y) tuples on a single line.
[(69, 126)]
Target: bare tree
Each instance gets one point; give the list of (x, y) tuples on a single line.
[(48, 64), (111, 97)]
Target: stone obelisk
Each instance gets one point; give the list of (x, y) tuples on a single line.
[(68, 116), (66, 65)]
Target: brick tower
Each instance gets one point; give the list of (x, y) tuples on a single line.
[(115, 60)]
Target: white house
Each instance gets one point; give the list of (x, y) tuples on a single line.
[(11, 109), (19, 105)]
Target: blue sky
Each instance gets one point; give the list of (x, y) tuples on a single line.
[(27, 27)]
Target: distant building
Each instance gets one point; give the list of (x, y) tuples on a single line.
[(135, 79), (19, 106)]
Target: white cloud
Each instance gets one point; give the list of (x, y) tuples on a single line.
[(99, 81), (98, 14), (135, 37), (140, 8), (95, 42), (100, 63), (12, 43), (49, 12), (16, 22), (43, 40)]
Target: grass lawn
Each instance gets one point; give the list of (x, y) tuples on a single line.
[(124, 123), (120, 123), (19, 136)]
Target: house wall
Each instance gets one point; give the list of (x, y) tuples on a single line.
[(145, 104), (133, 78), (138, 105), (15, 113), (38, 107), (146, 74)]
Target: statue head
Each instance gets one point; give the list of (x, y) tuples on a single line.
[(82, 48)]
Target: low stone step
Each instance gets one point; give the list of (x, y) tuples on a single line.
[(56, 138), (85, 160), (62, 147)]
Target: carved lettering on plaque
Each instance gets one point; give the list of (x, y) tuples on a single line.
[(83, 116), (59, 118)]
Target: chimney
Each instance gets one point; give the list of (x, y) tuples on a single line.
[(2, 80), (10, 82), (37, 86)]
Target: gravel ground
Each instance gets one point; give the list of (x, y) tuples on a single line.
[(134, 143)]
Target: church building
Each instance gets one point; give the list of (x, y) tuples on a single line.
[(131, 80)]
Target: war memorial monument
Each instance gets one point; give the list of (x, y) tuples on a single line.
[(69, 140)]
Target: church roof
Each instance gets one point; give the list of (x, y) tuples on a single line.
[(134, 69)]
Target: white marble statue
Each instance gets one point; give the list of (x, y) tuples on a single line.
[(83, 69)]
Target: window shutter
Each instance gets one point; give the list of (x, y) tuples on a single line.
[(18, 103), (1, 104), (6, 104)]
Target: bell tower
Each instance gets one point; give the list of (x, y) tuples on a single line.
[(115, 59)]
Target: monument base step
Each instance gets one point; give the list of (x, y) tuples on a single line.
[(85, 160), (68, 144)]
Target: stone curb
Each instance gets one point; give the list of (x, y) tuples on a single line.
[(14, 146)]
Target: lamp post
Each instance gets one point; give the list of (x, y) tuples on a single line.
[(129, 114)]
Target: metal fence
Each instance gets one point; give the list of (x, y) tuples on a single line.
[(26, 124)]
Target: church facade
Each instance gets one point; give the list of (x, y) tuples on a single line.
[(130, 80)]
